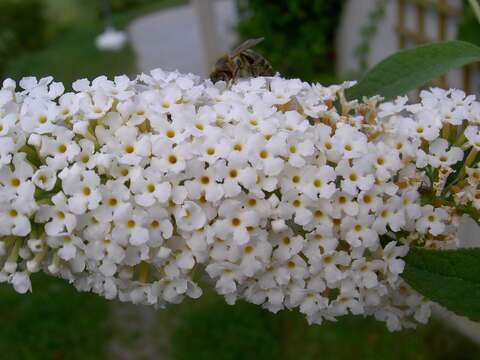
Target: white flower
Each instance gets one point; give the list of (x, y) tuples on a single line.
[(159, 225), (391, 256), (255, 257), (354, 179), (149, 189), (7, 123), (472, 134), (67, 246), (120, 88), (358, 232), (111, 40), (329, 264), (169, 157), (130, 226), (235, 221), (426, 125), (298, 150), (441, 156), (387, 158), (62, 221), (281, 190), (14, 222), (38, 116), (345, 203), (319, 241), (211, 148), (43, 88), (369, 201), (432, 220), (82, 187), (17, 183), (205, 183), (21, 282), (394, 107), (288, 245), (296, 205), (234, 177), (349, 142), (293, 269), (389, 215), (189, 216), (264, 154), (227, 274), (97, 104), (348, 299), (283, 90), (59, 151), (7, 148), (45, 178), (130, 147), (69, 104), (365, 272), (319, 182), (312, 304), (410, 202), (239, 137), (87, 157)]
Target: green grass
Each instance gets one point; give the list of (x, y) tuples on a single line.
[(219, 331), (215, 330), (56, 322), (72, 53), (53, 322)]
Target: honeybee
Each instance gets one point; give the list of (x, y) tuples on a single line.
[(241, 62)]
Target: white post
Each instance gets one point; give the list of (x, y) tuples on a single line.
[(205, 12)]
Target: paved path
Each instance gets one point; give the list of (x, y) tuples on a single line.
[(135, 335), (170, 39)]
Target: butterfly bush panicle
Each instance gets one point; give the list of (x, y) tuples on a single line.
[(286, 194)]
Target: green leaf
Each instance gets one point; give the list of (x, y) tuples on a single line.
[(449, 277), (411, 68), (469, 28)]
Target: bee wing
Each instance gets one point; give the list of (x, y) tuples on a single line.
[(245, 45)]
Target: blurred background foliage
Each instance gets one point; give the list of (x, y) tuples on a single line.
[(53, 322), (57, 37), (299, 35), (20, 33), (214, 330)]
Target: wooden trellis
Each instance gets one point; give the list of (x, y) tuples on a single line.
[(445, 12)]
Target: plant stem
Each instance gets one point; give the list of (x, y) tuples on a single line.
[(446, 131), (468, 162), (471, 157), (143, 272), (476, 8)]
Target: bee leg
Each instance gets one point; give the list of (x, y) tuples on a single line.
[(235, 74)]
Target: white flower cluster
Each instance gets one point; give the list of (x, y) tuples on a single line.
[(283, 192)]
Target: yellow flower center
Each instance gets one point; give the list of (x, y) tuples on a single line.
[(15, 182)]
